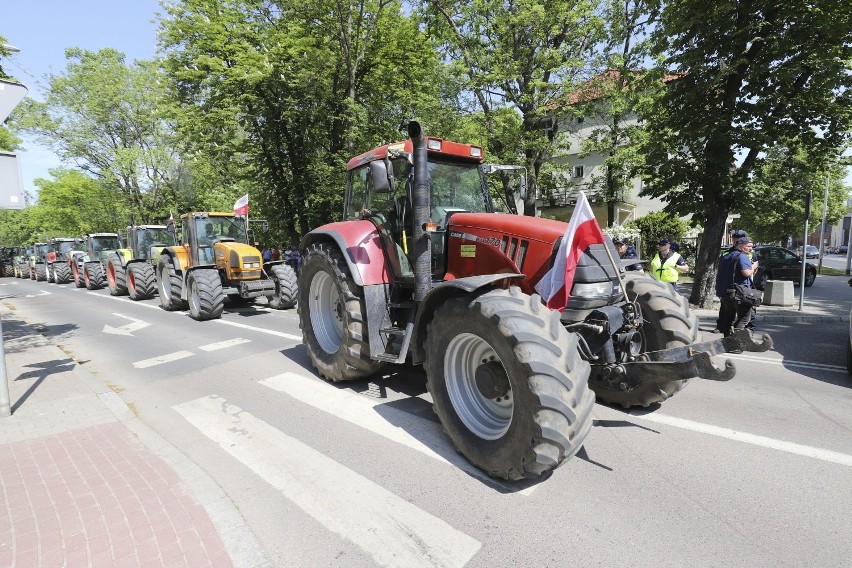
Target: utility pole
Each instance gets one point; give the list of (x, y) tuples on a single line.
[(808, 199), (11, 197), (822, 226)]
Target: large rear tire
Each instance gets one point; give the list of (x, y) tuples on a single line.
[(333, 317), (668, 323), (206, 299), (141, 281), (62, 273), (94, 275), (169, 285), (286, 287), (40, 272), (116, 276), (508, 383), (79, 277)]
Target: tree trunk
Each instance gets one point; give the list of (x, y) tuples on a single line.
[(704, 288)]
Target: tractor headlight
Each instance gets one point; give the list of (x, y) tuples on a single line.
[(592, 290), (251, 265)]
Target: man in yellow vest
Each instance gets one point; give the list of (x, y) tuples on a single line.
[(667, 265)]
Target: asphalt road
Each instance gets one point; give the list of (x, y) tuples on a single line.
[(753, 472)]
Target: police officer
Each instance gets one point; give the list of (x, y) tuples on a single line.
[(667, 265), (626, 251), (736, 268)]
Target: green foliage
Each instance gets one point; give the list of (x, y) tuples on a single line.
[(655, 226), (516, 58), (751, 73), (272, 97), (105, 116), (779, 186), (73, 204)]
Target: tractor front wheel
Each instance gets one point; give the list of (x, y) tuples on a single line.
[(668, 323), (116, 276), (61, 273), (333, 316), (206, 299), (169, 285), (508, 383), (141, 281), (286, 287)]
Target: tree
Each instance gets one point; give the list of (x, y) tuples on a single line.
[(273, 96), (779, 186), (105, 117), (751, 72), (614, 98), (517, 58)]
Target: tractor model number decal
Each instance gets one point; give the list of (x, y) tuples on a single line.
[(468, 251), (491, 241)]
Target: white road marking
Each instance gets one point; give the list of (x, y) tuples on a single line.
[(260, 329), (396, 425), (224, 344), (388, 528), (127, 329), (42, 293), (168, 358), (128, 300), (787, 362), (789, 447)]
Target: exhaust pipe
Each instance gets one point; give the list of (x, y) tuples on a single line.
[(422, 209)]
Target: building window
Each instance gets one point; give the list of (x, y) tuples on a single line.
[(580, 120), (578, 171)]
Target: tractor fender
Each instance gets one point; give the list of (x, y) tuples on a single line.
[(440, 293), (361, 245), (124, 255)]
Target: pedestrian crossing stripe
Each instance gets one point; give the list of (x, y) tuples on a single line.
[(388, 528)]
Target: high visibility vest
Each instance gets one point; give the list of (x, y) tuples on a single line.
[(665, 271)]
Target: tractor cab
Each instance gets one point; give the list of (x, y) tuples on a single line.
[(380, 189)]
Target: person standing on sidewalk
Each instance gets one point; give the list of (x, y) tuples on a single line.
[(667, 265), (736, 268)]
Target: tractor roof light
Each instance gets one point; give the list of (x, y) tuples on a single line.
[(475, 152), (433, 144)]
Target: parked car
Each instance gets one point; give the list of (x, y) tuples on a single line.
[(810, 251), (777, 263), (842, 249)]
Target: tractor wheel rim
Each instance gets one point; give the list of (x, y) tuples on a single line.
[(164, 285), (195, 302), (486, 417), (325, 308)]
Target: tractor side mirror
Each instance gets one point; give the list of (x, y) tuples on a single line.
[(379, 177)]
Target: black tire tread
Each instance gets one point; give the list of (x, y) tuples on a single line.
[(352, 361), (286, 287), (668, 323), (118, 284), (169, 285), (556, 377), (144, 281), (211, 298), (95, 277)]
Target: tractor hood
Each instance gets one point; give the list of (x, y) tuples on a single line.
[(488, 243)]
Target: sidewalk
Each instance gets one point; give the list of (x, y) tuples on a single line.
[(820, 305), (86, 483)]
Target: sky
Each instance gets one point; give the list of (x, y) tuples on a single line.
[(44, 29)]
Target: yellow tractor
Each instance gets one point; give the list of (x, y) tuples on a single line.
[(211, 260)]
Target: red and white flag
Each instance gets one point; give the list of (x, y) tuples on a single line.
[(241, 205), (583, 230)]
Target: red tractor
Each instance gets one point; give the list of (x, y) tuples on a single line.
[(423, 270)]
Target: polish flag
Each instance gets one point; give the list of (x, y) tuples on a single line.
[(241, 205), (583, 230)]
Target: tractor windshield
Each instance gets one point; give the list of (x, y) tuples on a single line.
[(101, 244), (457, 185), (214, 228), (65, 246), (154, 236)]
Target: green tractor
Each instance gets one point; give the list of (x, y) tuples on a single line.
[(38, 262), (131, 270), (89, 266), (7, 262), (20, 266)]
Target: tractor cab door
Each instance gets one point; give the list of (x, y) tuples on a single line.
[(386, 203)]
